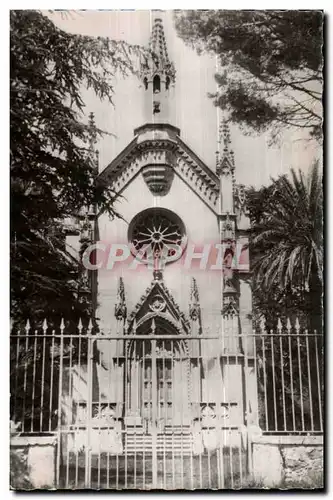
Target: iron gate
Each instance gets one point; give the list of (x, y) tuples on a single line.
[(164, 410), (133, 415)]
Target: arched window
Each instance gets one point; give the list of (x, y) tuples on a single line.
[(156, 84), (167, 83), (145, 82)]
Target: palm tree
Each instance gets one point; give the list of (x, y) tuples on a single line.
[(287, 265), (287, 240)]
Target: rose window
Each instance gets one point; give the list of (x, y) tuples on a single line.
[(157, 233)]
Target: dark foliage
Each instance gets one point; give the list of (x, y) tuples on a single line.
[(53, 173), (270, 64)]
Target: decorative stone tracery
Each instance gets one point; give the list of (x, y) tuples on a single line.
[(157, 234)]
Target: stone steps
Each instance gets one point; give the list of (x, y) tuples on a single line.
[(176, 442)]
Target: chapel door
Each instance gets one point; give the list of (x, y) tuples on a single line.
[(157, 369)]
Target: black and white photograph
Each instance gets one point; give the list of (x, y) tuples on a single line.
[(166, 250)]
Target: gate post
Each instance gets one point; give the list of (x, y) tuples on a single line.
[(154, 414), (87, 478), (61, 363)]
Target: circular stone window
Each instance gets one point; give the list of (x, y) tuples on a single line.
[(157, 233)]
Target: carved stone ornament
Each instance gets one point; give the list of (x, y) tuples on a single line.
[(158, 178), (225, 167), (157, 304), (208, 417), (228, 229), (162, 352), (224, 413)]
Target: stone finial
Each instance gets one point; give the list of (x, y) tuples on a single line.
[(92, 129), (120, 310), (194, 306), (225, 136), (225, 161), (94, 153)]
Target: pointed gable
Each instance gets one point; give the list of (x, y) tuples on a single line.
[(155, 145), (158, 301)]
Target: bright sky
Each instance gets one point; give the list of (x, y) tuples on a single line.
[(195, 114)]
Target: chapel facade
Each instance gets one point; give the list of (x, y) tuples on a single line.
[(174, 348)]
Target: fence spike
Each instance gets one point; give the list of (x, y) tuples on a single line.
[(27, 327), (126, 327), (288, 325), (90, 326), (262, 324), (297, 325), (279, 325), (80, 326), (62, 326), (44, 326), (134, 326), (153, 326)]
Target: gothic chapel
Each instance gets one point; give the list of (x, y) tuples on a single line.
[(172, 356)]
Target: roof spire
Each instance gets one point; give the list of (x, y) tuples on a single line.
[(158, 76), (160, 62)]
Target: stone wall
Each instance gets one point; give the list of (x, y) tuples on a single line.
[(32, 462), (278, 462), (288, 461)]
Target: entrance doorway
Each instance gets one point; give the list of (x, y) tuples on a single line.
[(157, 379)]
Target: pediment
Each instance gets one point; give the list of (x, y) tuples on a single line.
[(165, 152)]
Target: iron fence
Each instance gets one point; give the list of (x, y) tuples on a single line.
[(162, 411)]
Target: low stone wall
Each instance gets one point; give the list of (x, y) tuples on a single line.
[(33, 460), (278, 461), (288, 461)]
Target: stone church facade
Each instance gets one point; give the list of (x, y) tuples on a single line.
[(174, 312)]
